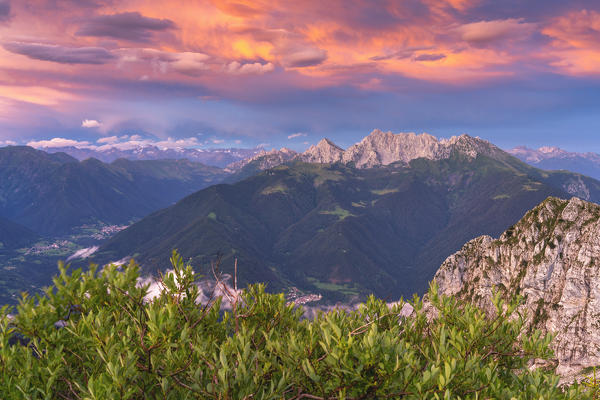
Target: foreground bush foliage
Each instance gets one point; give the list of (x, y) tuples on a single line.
[(116, 345)]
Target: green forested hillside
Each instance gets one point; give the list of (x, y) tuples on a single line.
[(13, 235), (52, 193), (340, 231)]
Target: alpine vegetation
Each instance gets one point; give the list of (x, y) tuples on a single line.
[(92, 335)]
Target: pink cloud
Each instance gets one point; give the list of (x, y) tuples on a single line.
[(485, 32), (90, 123), (59, 142)]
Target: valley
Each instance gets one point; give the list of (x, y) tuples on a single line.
[(333, 224), (30, 265)]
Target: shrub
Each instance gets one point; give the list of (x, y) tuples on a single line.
[(93, 336)]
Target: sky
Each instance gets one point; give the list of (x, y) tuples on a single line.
[(274, 73)]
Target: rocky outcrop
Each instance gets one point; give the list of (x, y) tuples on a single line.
[(551, 257), (577, 187)]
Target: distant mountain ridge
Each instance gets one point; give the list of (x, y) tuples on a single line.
[(373, 218), (384, 148), (377, 149), (554, 158), (214, 157), (52, 193)]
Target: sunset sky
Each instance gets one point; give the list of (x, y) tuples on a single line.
[(216, 73)]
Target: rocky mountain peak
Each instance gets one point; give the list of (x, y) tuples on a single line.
[(550, 149), (265, 159), (383, 148), (378, 149), (472, 146), (551, 258), (323, 152)]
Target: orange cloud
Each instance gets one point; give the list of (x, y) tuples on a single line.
[(575, 44), (36, 95), (312, 42)]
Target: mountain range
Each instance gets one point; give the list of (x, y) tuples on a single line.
[(52, 193), (214, 157), (379, 217), (377, 149), (554, 158)]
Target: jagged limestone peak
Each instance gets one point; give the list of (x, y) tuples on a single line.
[(381, 148), (323, 152), (551, 257)]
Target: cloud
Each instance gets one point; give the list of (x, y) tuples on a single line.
[(61, 54), (59, 142), (429, 57), (401, 54), (238, 9), (121, 143), (131, 26), (303, 57), (171, 143), (108, 140), (296, 135), (90, 123), (136, 141), (8, 143), (578, 29), (290, 49), (485, 32), (575, 48), (187, 63), (190, 63), (236, 68), (4, 10)]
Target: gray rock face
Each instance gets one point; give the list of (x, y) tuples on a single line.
[(577, 187), (383, 148), (551, 257)]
